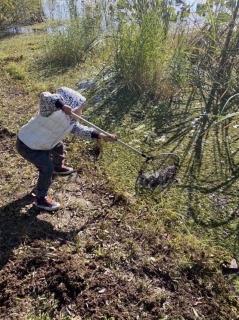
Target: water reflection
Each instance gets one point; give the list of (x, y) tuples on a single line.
[(17, 30), (52, 10), (64, 9)]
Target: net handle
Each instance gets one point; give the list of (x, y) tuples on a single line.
[(146, 157), (109, 135)]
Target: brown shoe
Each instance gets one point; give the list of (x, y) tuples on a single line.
[(47, 204), (63, 171)]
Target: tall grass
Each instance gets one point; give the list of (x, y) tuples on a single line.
[(71, 44), (148, 59)]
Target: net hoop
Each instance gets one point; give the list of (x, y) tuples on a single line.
[(157, 173)]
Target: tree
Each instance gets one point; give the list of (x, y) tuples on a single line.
[(19, 11)]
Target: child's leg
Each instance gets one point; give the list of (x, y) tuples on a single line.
[(41, 159), (45, 167), (58, 155)]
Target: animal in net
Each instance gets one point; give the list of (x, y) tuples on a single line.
[(158, 173), (159, 178)]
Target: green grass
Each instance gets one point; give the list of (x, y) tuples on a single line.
[(45, 316), (147, 60), (15, 71)]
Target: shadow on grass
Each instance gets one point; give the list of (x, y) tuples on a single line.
[(118, 103), (221, 205), (17, 227), (48, 69)]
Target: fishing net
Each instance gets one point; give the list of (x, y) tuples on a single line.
[(157, 173)]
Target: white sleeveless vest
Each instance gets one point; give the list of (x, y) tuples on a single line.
[(44, 133)]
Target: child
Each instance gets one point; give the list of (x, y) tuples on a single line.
[(40, 141)]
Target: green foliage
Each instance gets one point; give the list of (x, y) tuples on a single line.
[(16, 71), (220, 10), (19, 11), (148, 59), (71, 45)]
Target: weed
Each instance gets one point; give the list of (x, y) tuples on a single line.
[(2, 56), (16, 71), (71, 45)]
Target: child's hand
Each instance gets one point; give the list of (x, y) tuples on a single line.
[(67, 109), (110, 137), (78, 111)]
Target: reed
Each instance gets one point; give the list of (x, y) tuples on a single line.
[(148, 59), (70, 45)]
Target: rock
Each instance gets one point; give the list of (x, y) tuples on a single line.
[(86, 85), (233, 264), (163, 138), (230, 267), (102, 290)]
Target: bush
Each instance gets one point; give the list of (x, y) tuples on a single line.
[(148, 59), (70, 45)]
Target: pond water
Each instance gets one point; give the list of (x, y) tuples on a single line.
[(66, 9), (63, 9), (70, 9)]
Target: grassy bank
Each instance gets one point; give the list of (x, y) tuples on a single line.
[(107, 254)]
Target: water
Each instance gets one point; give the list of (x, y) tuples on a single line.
[(61, 10), (67, 9), (17, 30), (54, 10)]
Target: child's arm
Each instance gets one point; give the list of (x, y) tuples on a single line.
[(90, 133)]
